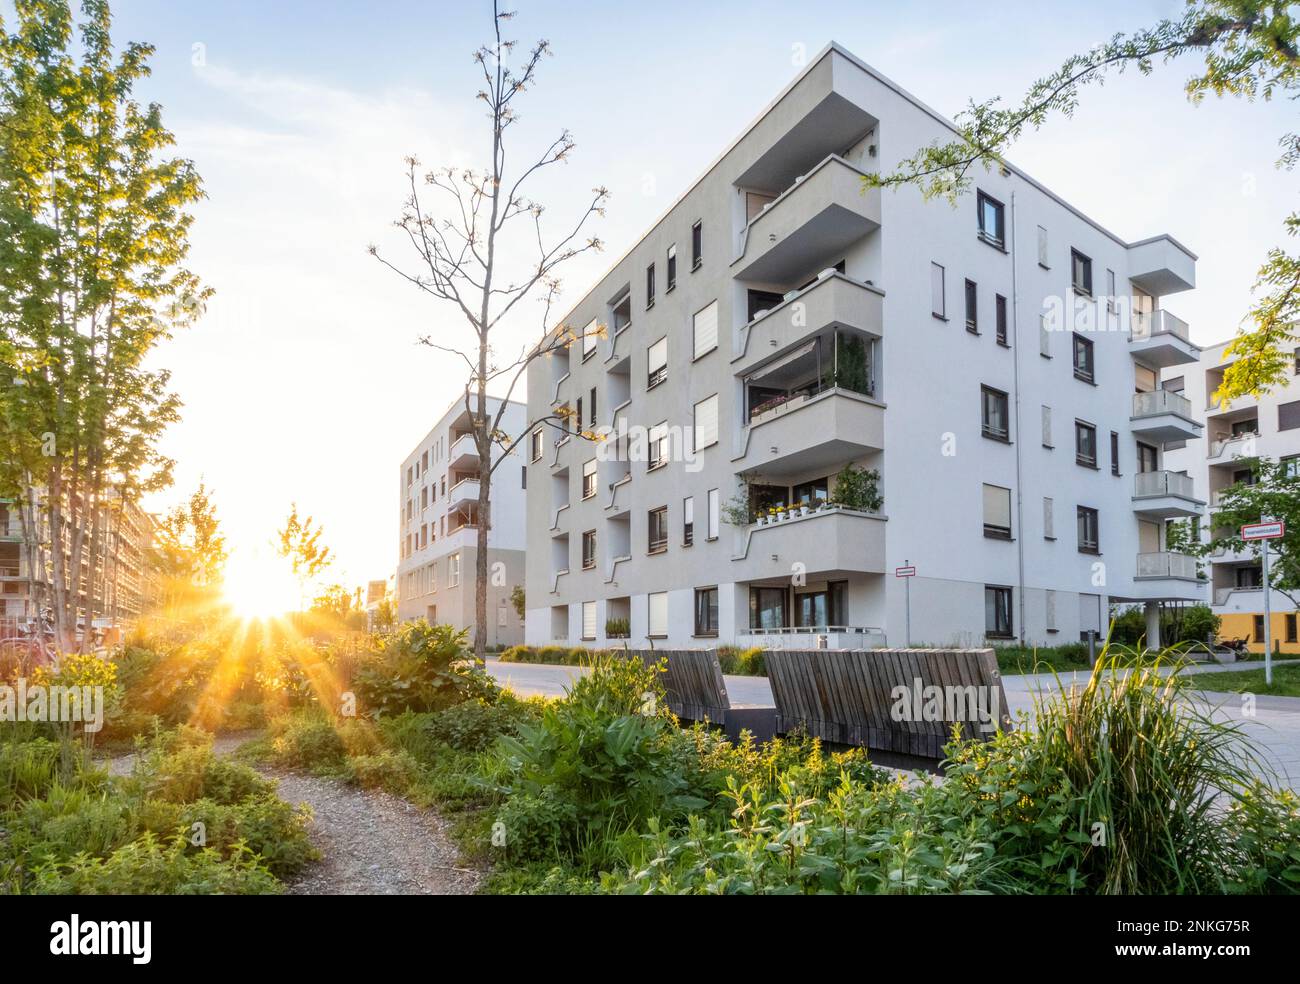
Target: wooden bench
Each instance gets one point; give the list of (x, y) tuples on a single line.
[(693, 683), (852, 697)]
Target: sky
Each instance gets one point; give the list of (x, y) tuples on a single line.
[(305, 382)]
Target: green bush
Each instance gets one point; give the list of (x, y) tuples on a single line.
[(420, 667), (743, 662), (475, 725), (306, 740), (150, 867), (394, 771), (1263, 827)]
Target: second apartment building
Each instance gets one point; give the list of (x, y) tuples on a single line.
[(994, 366), (438, 527)]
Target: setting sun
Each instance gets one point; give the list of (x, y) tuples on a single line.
[(258, 584)]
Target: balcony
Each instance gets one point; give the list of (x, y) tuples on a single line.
[(828, 541), (807, 433), (1165, 564), (1159, 339), (813, 221), (1223, 450), (463, 453), (463, 493), (834, 300), (1163, 415), (814, 637), (1165, 495), (1161, 265)]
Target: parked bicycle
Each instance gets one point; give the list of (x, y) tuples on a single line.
[(26, 646)]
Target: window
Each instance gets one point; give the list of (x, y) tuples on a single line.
[(1049, 522), (591, 411), (424, 498), (453, 570), (706, 422), (1290, 627), (588, 550), (997, 612), (937, 307), (410, 475), (1296, 368), (523, 476), (1174, 385), (697, 245), (658, 530), (658, 449), (657, 363), (590, 334), (1114, 453), (767, 608), (1288, 416), (714, 514), (589, 478), (1088, 539), (705, 330), (1042, 248), (1049, 613), (1112, 302), (577, 416), (670, 274), (657, 614), (1047, 427), (650, 286), (972, 307), (588, 620), (1259, 628), (990, 216), (1080, 272), (1083, 365), (997, 512), (1044, 337), (1085, 444), (706, 611), (688, 521), (424, 461), (993, 414), (1000, 318), (1147, 457)]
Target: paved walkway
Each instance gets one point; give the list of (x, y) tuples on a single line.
[(1274, 725)]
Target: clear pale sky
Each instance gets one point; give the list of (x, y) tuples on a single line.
[(304, 381)]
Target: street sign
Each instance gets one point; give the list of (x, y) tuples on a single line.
[(904, 572), (1263, 531)]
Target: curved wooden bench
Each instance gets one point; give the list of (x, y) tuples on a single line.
[(693, 683)]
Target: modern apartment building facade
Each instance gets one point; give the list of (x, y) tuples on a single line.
[(782, 321), (1267, 427), (438, 527)]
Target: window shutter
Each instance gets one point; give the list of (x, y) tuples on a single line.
[(936, 290), (1049, 530), (688, 510), (658, 357), (997, 506), (706, 422), (1047, 427), (1288, 415), (1044, 337), (706, 329), (589, 338), (1051, 611), (658, 613), (713, 514), (589, 620), (1042, 247)]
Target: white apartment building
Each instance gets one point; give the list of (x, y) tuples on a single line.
[(1267, 427), (782, 321), (438, 501)]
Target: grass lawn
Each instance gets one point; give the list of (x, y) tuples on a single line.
[(1286, 682), (1019, 660)]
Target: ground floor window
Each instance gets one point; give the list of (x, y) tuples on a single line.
[(1259, 628), (997, 612), (706, 611), (767, 608), (816, 609), (1290, 627)]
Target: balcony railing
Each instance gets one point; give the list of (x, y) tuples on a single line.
[(1161, 401), (1156, 483), (1147, 324), (1166, 564), (1221, 445), (1221, 595)]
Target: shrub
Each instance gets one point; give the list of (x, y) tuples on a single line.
[(420, 667), (475, 725), (307, 739), (394, 771), (743, 662), (150, 867), (1263, 825)]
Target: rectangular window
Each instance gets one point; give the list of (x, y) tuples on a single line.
[(767, 608), (1288, 416), (658, 449), (588, 550), (590, 335), (577, 416), (589, 478), (972, 307), (937, 307), (535, 451), (1044, 337), (1047, 427), (1042, 249), (1049, 522), (705, 329), (657, 363), (1089, 541), (706, 422), (1112, 302), (1049, 613), (650, 286), (670, 274), (1000, 318), (1085, 444), (706, 611), (1259, 628), (1083, 364), (1114, 453), (697, 245), (658, 530), (453, 570), (997, 512), (1080, 272), (993, 414), (657, 614), (714, 513), (997, 612), (688, 521), (1147, 458), (991, 219), (588, 620), (1290, 627), (523, 476)]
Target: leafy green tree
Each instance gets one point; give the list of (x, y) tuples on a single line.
[(300, 544), (94, 223), (1247, 48), (190, 550), (1273, 495)]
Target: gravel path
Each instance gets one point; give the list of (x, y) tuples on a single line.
[(371, 843)]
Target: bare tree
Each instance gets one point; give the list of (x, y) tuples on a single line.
[(459, 222)]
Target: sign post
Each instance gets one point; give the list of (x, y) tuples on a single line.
[(1264, 531), (907, 572)]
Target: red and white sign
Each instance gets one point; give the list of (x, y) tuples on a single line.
[(1263, 531), (904, 572)]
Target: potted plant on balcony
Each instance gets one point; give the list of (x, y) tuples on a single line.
[(778, 513), (617, 628), (737, 510), (858, 489), (803, 508)]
